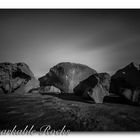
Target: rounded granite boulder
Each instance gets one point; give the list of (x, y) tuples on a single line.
[(66, 76), (16, 78)]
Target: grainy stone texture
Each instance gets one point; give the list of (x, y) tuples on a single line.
[(66, 76), (49, 89), (95, 87), (16, 78)]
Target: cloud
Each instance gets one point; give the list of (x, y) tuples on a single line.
[(102, 39)]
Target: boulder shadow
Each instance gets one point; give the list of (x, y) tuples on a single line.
[(118, 100), (112, 99), (69, 97)]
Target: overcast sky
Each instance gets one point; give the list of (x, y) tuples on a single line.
[(105, 40)]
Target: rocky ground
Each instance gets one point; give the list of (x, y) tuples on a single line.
[(67, 109)]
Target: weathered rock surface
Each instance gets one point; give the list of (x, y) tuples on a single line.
[(39, 110), (16, 77), (95, 86), (49, 89), (126, 82), (66, 76)]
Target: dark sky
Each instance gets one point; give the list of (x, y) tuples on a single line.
[(105, 40)]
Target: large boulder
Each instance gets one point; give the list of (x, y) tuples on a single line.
[(126, 83), (16, 78), (95, 87), (66, 76)]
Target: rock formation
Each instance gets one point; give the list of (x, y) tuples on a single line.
[(49, 89), (95, 86), (126, 82), (16, 78), (66, 76)]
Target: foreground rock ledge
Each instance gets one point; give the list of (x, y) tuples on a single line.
[(57, 111)]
